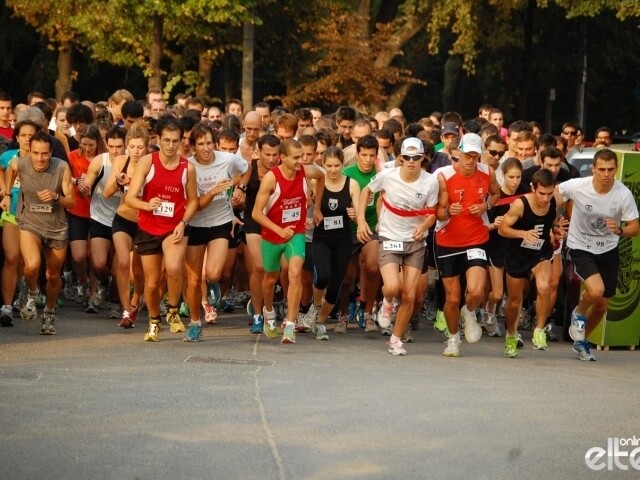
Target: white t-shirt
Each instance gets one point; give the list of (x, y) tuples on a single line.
[(588, 228), (418, 195), (219, 211)]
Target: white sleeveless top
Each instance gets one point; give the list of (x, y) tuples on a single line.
[(103, 209)]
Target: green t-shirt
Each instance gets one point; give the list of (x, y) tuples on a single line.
[(363, 179)]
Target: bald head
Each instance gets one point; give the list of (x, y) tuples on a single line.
[(252, 124)]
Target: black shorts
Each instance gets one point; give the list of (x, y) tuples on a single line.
[(607, 264), (308, 257), (521, 268), (454, 261), (147, 244), (100, 230), (430, 254), (250, 226), (238, 236), (78, 228), (121, 224), (203, 235), (496, 261), (356, 245)]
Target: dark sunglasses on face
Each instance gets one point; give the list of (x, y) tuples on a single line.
[(412, 158), (571, 133), (495, 153)]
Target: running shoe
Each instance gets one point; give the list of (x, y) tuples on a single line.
[(29, 311), (384, 317), (173, 319), (226, 306), (320, 331), (440, 323), (289, 334), (548, 330), (520, 341), (310, 318), (257, 326), (370, 324), (194, 332), (184, 310), (453, 346), (48, 323), (387, 332), (472, 331), (6, 316), (79, 293), (539, 339), (213, 294), (100, 296), (270, 328), (210, 313), (41, 300), (91, 307), (576, 329), (406, 336), (360, 318), (114, 311), (126, 321), (396, 348), (415, 322), (164, 306), (68, 290), (341, 326), (525, 322), (241, 299), (583, 350), (153, 332), (511, 346), (133, 312), (491, 324)]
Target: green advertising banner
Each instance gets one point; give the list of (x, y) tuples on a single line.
[(621, 325)]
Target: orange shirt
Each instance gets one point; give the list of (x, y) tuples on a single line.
[(465, 230), (79, 165)]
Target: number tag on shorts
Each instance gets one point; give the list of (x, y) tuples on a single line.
[(165, 209), (40, 208), (391, 246), (476, 253), (291, 215), (331, 223), (537, 245)]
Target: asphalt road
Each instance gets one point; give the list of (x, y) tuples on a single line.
[(97, 402)]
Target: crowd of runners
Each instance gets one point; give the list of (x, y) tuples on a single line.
[(372, 220)]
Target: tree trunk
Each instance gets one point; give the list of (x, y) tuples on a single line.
[(452, 69), (155, 72), (247, 66), (65, 64), (527, 54), (205, 65)]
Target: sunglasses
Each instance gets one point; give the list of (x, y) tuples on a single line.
[(412, 158), (495, 153), (571, 133)]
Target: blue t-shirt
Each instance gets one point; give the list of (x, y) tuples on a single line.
[(5, 160)]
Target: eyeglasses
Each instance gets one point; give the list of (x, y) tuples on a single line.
[(571, 133), (495, 153), (455, 159), (412, 158)]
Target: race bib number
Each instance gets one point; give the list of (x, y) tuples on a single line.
[(476, 253), (537, 245), (165, 209), (391, 246), (291, 215), (40, 208), (332, 223)]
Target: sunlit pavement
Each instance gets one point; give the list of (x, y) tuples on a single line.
[(97, 402)]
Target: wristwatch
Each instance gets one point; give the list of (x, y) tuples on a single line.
[(242, 186)]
